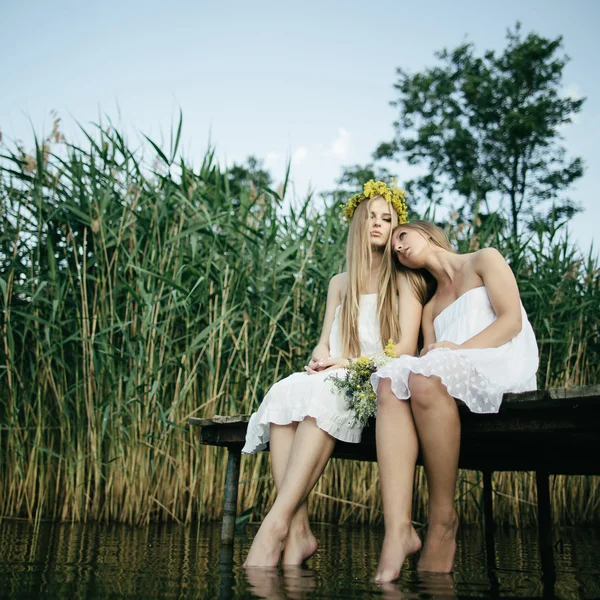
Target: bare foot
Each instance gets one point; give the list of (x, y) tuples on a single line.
[(440, 546), (397, 545), (267, 545), (300, 545)]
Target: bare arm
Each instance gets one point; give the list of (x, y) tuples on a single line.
[(427, 328), (334, 299), (410, 318), (503, 292)]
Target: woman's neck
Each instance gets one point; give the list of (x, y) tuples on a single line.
[(376, 262), (444, 266)]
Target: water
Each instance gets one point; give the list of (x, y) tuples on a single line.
[(168, 561)]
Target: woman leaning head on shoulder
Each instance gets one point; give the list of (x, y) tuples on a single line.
[(477, 345), (412, 243)]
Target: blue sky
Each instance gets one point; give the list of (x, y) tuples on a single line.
[(312, 80)]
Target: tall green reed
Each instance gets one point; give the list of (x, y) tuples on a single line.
[(136, 295)]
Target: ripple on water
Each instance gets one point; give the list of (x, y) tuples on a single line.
[(168, 561)]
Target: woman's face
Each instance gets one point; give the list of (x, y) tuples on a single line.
[(380, 222), (409, 244)]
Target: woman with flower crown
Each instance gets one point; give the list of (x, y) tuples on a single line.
[(477, 345), (304, 414)]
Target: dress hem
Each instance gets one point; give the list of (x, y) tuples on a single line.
[(400, 388), (260, 436)]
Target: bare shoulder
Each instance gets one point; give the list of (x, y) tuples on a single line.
[(403, 282), (338, 283), (339, 280), (487, 257)]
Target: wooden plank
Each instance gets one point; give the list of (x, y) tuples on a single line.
[(557, 431), (554, 395), (567, 453), (557, 398), (571, 417), (219, 420)]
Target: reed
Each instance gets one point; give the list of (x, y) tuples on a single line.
[(136, 295)]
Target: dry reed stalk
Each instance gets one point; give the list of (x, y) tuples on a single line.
[(131, 301)]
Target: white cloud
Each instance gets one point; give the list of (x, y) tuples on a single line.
[(340, 147), (299, 155), (573, 91), (271, 159)]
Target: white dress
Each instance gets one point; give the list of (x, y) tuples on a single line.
[(301, 395), (478, 377)]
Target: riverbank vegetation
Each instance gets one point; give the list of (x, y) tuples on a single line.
[(135, 295)]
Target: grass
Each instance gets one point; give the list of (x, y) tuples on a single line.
[(135, 296)]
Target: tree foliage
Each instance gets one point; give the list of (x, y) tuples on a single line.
[(251, 174), (488, 129)]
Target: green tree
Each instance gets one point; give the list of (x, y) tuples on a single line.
[(488, 128), (251, 174)]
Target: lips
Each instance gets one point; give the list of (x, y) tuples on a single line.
[(376, 233)]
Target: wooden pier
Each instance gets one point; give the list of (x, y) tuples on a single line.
[(555, 431)]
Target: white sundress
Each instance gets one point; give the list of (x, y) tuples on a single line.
[(478, 377), (302, 395)]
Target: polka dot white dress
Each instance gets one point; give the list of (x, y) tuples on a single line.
[(301, 395), (478, 377)]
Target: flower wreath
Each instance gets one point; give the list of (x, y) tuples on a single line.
[(391, 194)]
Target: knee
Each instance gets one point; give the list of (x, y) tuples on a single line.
[(426, 392), (385, 397)]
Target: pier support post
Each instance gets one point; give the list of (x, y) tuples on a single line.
[(232, 481), (542, 481), (488, 504), (488, 523)]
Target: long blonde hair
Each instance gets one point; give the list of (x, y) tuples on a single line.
[(422, 281), (359, 258)]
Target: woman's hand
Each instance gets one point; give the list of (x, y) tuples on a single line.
[(314, 365), (442, 344), (319, 355), (322, 365)]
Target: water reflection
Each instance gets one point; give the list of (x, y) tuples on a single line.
[(167, 561), (422, 585), (289, 582)]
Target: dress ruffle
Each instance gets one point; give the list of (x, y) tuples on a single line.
[(297, 397), (461, 378), (479, 377), (300, 395)]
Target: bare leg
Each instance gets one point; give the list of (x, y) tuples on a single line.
[(309, 454), (300, 543), (397, 449), (438, 426)]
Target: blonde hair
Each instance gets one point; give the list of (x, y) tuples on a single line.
[(422, 281), (359, 258)]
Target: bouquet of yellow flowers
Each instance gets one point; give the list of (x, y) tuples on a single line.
[(356, 383)]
